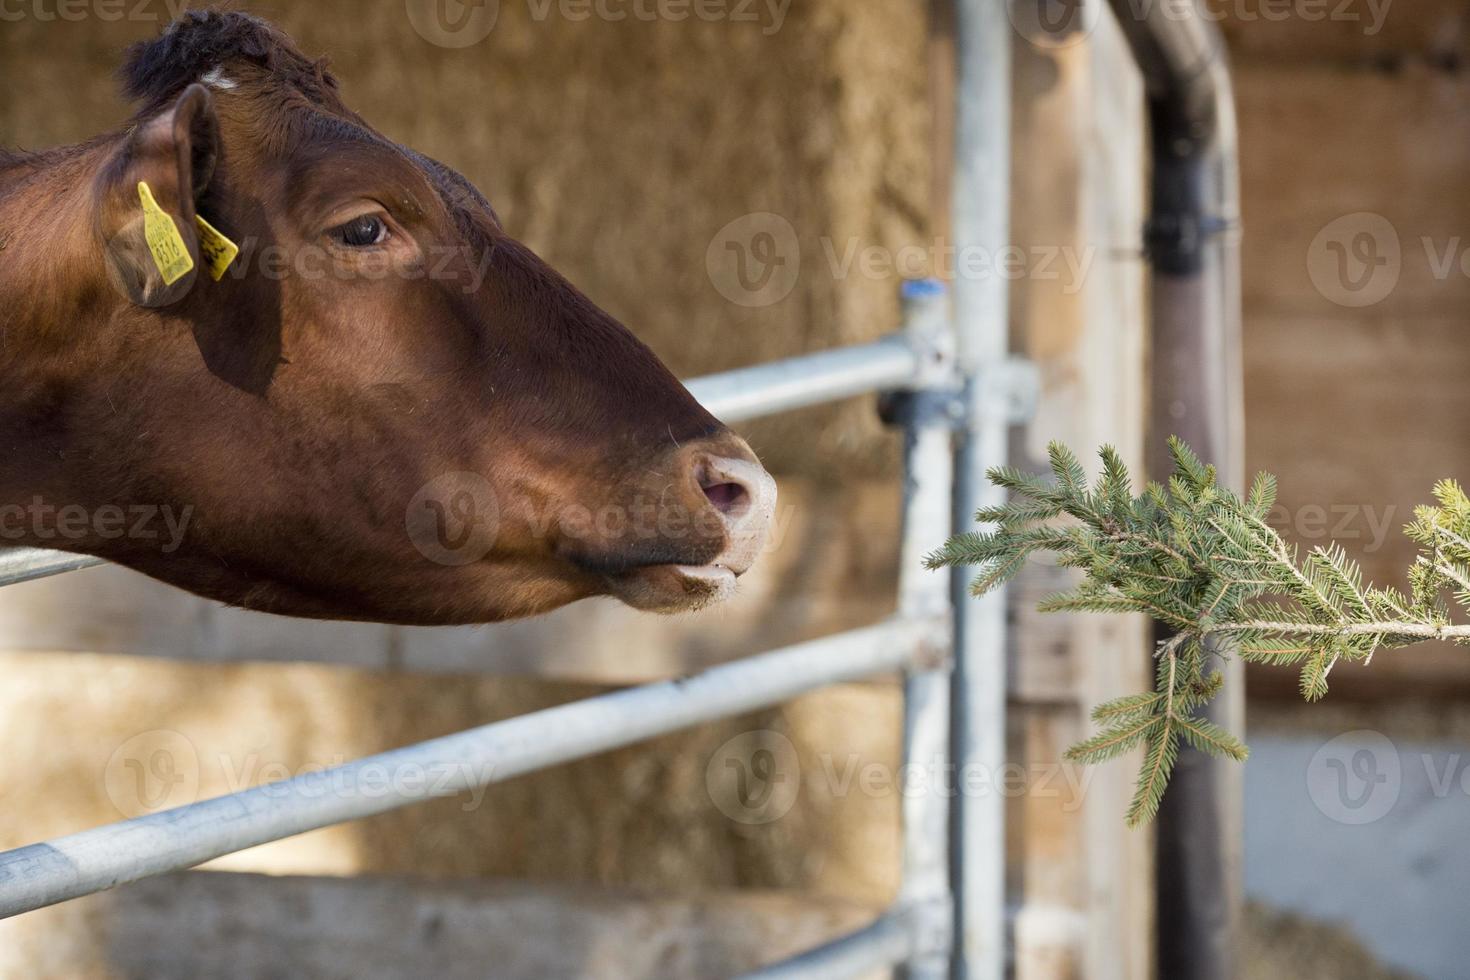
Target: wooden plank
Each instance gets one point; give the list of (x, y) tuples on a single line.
[(1365, 33), (223, 925), (1081, 879), (1357, 409)]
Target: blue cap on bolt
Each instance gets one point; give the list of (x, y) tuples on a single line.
[(922, 288)]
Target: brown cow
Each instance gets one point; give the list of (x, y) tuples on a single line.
[(384, 409)]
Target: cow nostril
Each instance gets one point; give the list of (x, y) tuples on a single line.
[(730, 499), (737, 489), (744, 496)]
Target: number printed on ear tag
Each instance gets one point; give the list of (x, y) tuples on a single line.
[(170, 253), (215, 249)]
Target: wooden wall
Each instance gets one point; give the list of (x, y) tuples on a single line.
[(1356, 397)]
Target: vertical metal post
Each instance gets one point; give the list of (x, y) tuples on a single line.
[(1192, 240), (928, 483), (981, 222)]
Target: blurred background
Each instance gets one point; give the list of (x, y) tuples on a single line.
[(629, 152)]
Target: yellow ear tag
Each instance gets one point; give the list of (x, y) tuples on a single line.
[(215, 249), (170, 253)]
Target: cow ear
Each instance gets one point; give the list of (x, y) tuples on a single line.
[(146, 205)]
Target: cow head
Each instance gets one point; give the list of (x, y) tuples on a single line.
[(384, 408)]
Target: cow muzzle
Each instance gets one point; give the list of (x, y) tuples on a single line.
[(736, 498)]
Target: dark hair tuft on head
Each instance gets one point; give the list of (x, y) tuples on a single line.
[(156, 71)]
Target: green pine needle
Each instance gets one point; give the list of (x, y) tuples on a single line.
[(1202, 560)]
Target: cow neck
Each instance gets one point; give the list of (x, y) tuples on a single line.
[(54, 301), (52, 278)]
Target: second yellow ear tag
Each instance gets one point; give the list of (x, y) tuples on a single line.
[(170, 253), (215, 249)]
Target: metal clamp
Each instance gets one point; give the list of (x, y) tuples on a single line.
[(1012, 387), (931, 923)]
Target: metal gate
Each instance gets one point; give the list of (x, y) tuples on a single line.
[(956, 394), (918, 365), (947, 369)]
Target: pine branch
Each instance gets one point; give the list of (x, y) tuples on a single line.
[(1202, 560)]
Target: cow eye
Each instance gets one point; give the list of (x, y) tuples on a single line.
[(364, 232)]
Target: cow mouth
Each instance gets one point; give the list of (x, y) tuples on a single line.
[(685, 572), (673, 588)]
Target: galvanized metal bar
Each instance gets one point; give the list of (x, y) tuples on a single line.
[(26, 564), (917, 932), (928, 502), (769, 389), (983, 37), (90, 861), (888, 942)]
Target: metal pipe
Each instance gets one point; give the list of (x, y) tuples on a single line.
[(1192, 240), (26, 564), (927, 520), (918, 931), (981, 221), (93, 860), (886, 943), (769, 389)]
